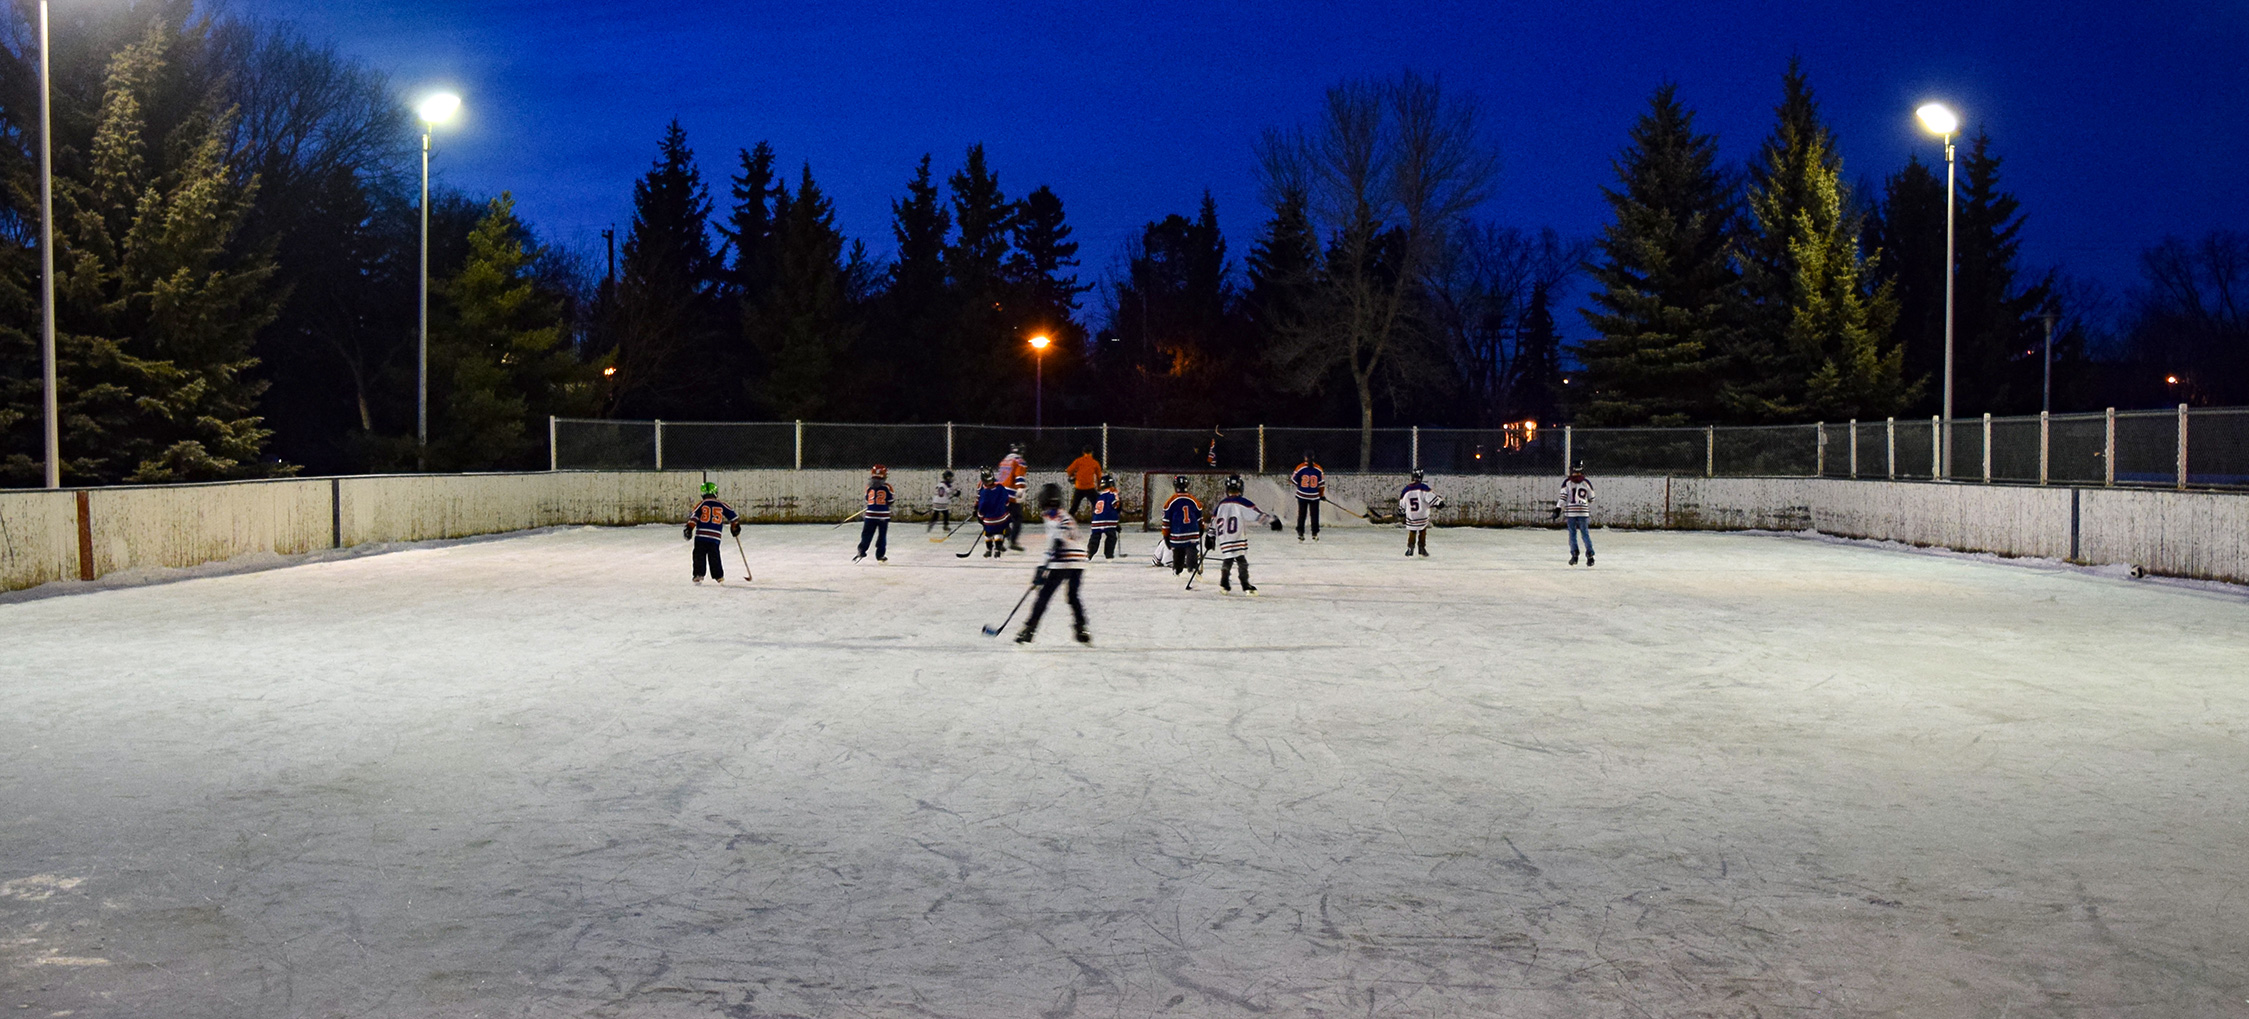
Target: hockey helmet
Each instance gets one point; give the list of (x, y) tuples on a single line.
[(1050, 496), (947, 476), (710, 488), (985, 477), (1015, 447), (1108, 481), (1307, 456), (1417, 474), (1179, 484), (1233, 484), (879, 471), (1578, 467)]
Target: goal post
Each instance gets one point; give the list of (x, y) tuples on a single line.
[(1208, 486)]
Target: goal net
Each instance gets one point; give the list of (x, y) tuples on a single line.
[(1208, 486)]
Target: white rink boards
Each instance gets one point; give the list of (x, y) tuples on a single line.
[(543, 775)]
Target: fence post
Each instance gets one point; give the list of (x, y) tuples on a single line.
[(1890, 445), (1987, 447), (2108, 452), (1710, 451), (659, 443), (2045, 446), (1568, 457), (1819, 463), (1260, 449), (949, 445), (1936, 447), (800, 444), (1416, 447), (1105, 445), (2182, 445), (554, 456), (1854, 449)]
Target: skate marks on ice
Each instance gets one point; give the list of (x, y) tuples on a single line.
[(1768, 777)]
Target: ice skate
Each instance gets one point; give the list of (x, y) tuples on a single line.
[(698, 580), (1589, 560), (1084, 637), (1425, 553), (858, 557), (1024, 637), (1246, 589), (1573, 559)]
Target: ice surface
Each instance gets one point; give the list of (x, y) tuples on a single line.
[(1718, 775)]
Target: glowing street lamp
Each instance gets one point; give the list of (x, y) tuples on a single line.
[(1940, 120), (1038, 400), (434, 109)]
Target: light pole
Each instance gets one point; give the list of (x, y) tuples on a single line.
[(1038, 399), (436, 109), (1941, 120), (52, 403), (2046, 388)]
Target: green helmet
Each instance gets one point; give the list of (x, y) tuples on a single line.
[(710, 488)]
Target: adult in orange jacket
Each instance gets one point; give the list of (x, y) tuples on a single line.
[(1085, 478)]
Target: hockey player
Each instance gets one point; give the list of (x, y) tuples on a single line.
[(1183, 528), (1414, 505), (1012, 473), (941, 503), (704, 526), (874, 526), (1064, 566), (1231, 521), (1108, 512), (1311, 488), (994, 508), (1575, 508)]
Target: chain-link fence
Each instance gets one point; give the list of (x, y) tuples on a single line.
[(2178, 447)]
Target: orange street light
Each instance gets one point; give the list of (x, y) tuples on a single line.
[(1038, 392)]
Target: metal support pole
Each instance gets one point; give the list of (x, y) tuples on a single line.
[(2182, 445), (1890, 445), (800, 444), (2045, 447), (659, 443), (1105, 465), (1936, 446), (49, 398), (1260, 449), (1987, 447), (1568, 454), (949, 444), (1951, 267), (421, 346), (1417, 447), (2108, 451), (1710, 451), (1854, 449), (1819, 463), (554, 452)]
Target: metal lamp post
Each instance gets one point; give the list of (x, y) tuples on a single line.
[(1941, 120), (1038, 390), (52, 404), (436, 109)]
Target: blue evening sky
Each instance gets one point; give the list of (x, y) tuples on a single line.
[(2120, 122)]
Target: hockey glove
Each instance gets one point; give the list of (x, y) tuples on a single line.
[(687, 533), (1276, 523), (737, 529), (1557, 513), (1038, 576), (1210, 540)]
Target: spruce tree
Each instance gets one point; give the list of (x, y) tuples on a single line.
[(1666, 278), (499, 360), (1816, 339), (1908, 230), (805, 327), (1997, 332), (664, 316), (1536, 391), (988, 367), (914, 312)]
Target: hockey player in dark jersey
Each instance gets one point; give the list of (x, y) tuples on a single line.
[(874, 527), (1183, 527), (706, 526), (1311, 487), (1064, 567), (995, 507), (1108, 513)]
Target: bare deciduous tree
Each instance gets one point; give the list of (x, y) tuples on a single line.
[(1388, 169)]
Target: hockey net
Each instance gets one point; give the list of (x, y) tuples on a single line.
[(1207, 486)]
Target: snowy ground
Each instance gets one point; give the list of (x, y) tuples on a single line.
[(545, 776)]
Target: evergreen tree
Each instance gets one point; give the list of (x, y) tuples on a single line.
[(1281, 301), (1046, 295), (1909, 232), (805, 326), (500, 362), (750, 235), (915, 310), (1175, 310), (1817, 335), (1996, 330), (1666, 278), (988, 366), (157, 301), (664, 316), (1537, 391)]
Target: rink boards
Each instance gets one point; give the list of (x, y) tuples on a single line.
[(94, 533)]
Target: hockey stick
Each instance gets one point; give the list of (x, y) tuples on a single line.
[(971, 549), (746, 578), (1345, 509), (849, 519), (949, 534), (994, 631)]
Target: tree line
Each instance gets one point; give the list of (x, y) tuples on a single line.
[(237, 255)]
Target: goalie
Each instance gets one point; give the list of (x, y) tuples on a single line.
[(1414, 506)]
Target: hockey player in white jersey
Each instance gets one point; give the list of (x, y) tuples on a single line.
[(1230, 524), (1414, 506), (941, 502), (1575, 508)]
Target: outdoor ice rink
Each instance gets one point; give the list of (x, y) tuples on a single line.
[(543, 775)]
